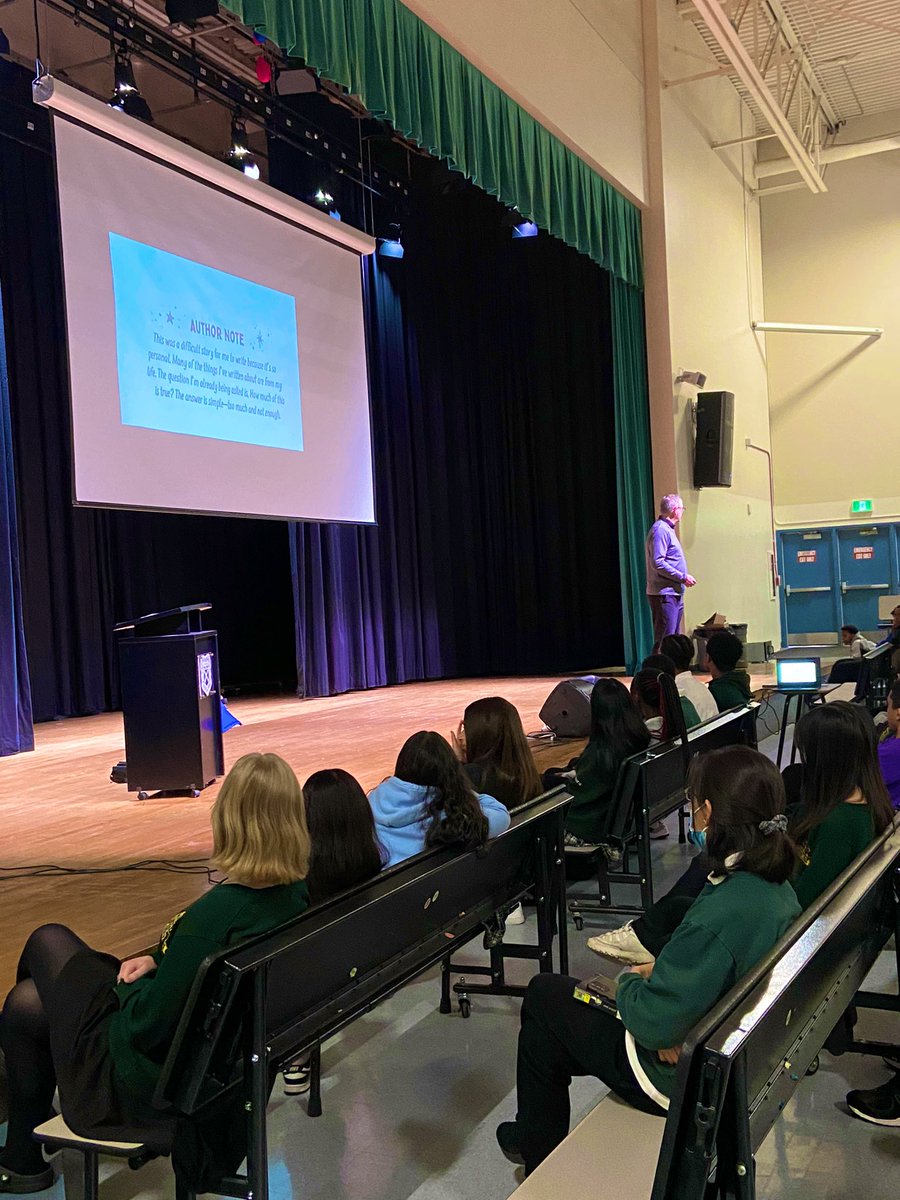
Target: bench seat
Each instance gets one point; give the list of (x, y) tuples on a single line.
[(56, 1135), (612, 1153)]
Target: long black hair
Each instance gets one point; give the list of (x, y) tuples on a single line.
[(495, 741), (745, 792), (840, 756), (656, 691), (451, 806), (617, 730), (345, 846)]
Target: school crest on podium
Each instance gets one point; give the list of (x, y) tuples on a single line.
[(205, 680)]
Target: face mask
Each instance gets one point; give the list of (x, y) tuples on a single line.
[(697, 837)]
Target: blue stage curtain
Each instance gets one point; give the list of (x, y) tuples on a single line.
[(16, 732), (496, 550)]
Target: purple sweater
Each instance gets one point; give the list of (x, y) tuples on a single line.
[(889, 760), (666, 564)]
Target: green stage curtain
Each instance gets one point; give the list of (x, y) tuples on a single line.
[(429, 92), (634, 477)]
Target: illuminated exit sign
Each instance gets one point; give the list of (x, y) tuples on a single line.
[(860, 506)]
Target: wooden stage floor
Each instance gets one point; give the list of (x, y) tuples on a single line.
[(58, 806)]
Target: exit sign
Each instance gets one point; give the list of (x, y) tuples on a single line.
[(860, 506)]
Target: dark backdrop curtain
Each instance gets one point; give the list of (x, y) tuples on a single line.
[(83, 569), (496, 549)]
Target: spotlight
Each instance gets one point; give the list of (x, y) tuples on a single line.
[(126, 95), (240, 156), (391, 246), (519, 226), (322, 198)]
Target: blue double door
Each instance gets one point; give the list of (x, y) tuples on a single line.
[(834, 576)]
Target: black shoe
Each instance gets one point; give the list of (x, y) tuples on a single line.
[(879, 1105), (508, 1141)]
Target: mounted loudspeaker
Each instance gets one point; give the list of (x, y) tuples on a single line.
[(715, 439)]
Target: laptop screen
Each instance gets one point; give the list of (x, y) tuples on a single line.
[(798, 673)]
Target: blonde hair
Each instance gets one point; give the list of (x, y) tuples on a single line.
[(259, 828)]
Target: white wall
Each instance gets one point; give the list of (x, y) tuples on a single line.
[(575, 65), (715, 288), (835, 259)]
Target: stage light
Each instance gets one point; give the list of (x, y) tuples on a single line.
[(324, 199), (519, 226), (391, 246), (240, 156), (126, 95)]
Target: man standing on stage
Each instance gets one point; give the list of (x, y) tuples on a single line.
[(667, 573)]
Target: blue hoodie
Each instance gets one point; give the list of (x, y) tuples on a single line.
[(398, 807)]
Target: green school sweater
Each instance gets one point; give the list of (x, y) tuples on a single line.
[(591, 790), (690, 714), (731, 689), (726, 931), (149, 1009), (831, 847)]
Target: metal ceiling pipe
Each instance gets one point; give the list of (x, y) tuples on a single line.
[(832, 154)]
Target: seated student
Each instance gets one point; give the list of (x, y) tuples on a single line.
[(846, 670), (662, 662), (889, 747), (345, 851), (429, 801), (494, 752), (617, 732), (842, 805), (680, 649), (729, 686), (737, 796), (100, 1029), (656, 696)]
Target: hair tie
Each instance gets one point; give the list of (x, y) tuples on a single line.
[(778, 824)]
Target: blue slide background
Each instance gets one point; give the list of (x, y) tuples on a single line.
[(180, 381)]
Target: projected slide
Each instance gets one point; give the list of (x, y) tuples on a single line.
[(202, 352)]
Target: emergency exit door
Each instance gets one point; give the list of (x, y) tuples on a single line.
[(864, 572), (809, 602)]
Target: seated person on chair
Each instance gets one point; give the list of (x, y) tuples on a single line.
[(656, 696), (617, 732), (662, 662), (889, 747), (429, 801), (842, 805), (345, 851), (846, 670), (98, 1029), (680, 648), (737, 796), (730, 687), (491, 744), (885, 665)]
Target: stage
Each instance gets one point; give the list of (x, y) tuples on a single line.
[(58, 806)]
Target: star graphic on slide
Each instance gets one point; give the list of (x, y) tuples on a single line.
[(170, 320)]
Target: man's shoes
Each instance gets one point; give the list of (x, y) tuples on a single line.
[(14, 1182), (658, 830), (880, 1106), (296, 1078), (621, 944), (508, 1141)]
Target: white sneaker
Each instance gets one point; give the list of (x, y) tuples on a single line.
[(295, 1078), (621, 944), (658, 830), (516, 916)]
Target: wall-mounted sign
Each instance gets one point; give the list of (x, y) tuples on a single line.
[(806, 556), (861, 553), (861, 506)]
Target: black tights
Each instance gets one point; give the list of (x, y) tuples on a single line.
[(25, 1038)]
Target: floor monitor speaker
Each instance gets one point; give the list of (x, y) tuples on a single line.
[(567, 710)]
